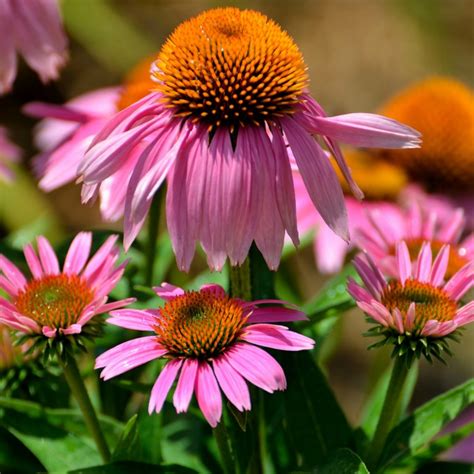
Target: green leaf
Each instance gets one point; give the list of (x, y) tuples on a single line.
[(128, 445), (128, 467), (415, 431), (333, 297), (15, 458), (57, 437), (343, 461), (316, 422)]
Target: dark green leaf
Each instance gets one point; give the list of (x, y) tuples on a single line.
[(316, 422), (129, 467), (419, 428), (343, 461), (333, 298), (446, 468), (57, 437), (128, 445)]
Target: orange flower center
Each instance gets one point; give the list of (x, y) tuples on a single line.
[(56, 301), (431, 302), (456, 259), (230, 67), (199, 324)]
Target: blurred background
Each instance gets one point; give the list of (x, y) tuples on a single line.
[(358, 52)]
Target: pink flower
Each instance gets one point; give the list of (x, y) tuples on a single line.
[(35, 30), (9, 153), (54, 302), (416, 303), (218, 128), (211, 343), (415, 225)]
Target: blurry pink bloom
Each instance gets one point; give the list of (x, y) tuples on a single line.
[(419, 223), (211, 341), (330, 250), (9, 153), (54, 302), (220, 141), (64, 136), (417, 302), (34, 29)]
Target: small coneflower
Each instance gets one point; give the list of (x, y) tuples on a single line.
[(381, 184), (67, 131), (416, 311), (415, 225), (442, 109), (211, 343), (55, 304), (9, 154), (34, 29), (230, 96)]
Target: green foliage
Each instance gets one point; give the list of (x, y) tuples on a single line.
[(415, 431), (343, 461), (127, 467)]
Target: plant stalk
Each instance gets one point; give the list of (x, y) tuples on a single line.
[(390, 410), (223, 443), (153, 232), (79, 391)]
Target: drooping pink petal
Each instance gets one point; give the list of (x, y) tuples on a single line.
[(465, 314), (367, 131), (137, 319), (185, 387), (232, 383), (48, 258), (208, 394), (276, 337), (78, 253), (163, 385), (319, 177), (257, 366)]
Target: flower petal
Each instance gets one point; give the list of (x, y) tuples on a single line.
[(208, 394), (78, 253), (276, 337), (185, 388), (163, 385), (48, 258)]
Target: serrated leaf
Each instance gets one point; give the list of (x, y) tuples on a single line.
[(316, 422), (426, 421), (343, 461)]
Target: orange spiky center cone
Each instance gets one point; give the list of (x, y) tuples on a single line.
[(230, 67), (199, 324), (56, 301), (443, 111), (431, 302)]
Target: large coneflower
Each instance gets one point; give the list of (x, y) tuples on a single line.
[(34, 29), (210, 342), (230, 99)]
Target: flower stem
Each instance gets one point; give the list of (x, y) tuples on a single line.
[(240, 284), (390, 410), (153, 231), (79, 391), (223, 443)]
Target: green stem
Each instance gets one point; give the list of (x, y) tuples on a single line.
[(390, 410), (223, 443), (79, 391), (153, 232), (240, 283)]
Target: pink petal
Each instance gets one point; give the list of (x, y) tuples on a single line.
[(440, 266), (465, 314), (53, 111), (423, 264), (49, 332), (15, 276), (275, 315), (367, 130), (398, 320), (33, 261), (136, 319), (410, 317), (371, 280), (357, 292), (105, 308), (319, 177), (403, 261), (100, 257), (330, 250), (430, 328), (257, 366), (208, 394), (78, 253), (214, 289), (276, 337), (167, 292), (7, 286), (8, 64), (377, 311), (461, 282), (72, 329), (48, 258), (163, 385), (184, 389), (232, 384)]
